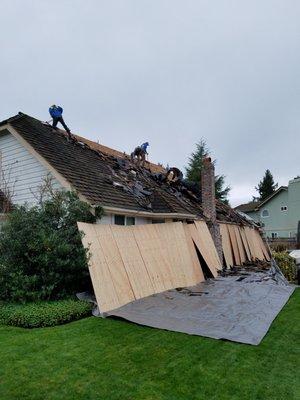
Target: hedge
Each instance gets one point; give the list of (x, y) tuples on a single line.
[(43, 314), (287, 265)]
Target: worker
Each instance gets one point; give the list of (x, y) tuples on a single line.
[(139, 154), (174, 175), (56, 114)]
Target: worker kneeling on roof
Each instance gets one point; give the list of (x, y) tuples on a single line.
[(56, 114), (139, 154)]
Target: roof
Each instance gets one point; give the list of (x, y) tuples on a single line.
[(256, 205), (280, 189), (155, 168), (248, 207), (107, 177)]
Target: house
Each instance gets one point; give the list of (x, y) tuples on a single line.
[(31, 150), (279, 214)]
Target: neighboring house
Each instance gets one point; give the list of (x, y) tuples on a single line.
[(31, 150), (279, 214)]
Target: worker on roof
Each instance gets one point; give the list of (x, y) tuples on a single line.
[(139, 154), (56, 114), (174, 175)]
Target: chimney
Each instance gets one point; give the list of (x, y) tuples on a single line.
[(209, 203)]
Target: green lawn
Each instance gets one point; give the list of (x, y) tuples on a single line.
[(111, 359)]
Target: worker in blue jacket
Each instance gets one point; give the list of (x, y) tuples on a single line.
[(139, 154), (56, 114)]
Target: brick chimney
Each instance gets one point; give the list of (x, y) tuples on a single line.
[(209, 203)]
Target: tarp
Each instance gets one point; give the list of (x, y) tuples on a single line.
[(236, 308)]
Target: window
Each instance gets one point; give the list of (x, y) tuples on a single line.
[(265, 213), (120, 219), (158, 221), (123, 220), (283, 208), (274, 235), (130, 221)]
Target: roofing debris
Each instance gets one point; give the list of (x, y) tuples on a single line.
[(109, 178)]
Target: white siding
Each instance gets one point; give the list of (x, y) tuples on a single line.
[(106, 220), (21, 170), (142, 220), (109, 219)]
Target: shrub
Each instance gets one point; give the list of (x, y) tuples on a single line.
[(287, 265), (42, 314), (41, 254)]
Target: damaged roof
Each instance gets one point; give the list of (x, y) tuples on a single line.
[(108, 178)]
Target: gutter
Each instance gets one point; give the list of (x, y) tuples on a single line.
[(132, 213)]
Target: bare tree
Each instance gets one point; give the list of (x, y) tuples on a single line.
[(7, 187), (46, 190)]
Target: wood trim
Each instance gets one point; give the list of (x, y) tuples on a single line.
[(133, 213)]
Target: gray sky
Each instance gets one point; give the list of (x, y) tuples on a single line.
[(166, 71)]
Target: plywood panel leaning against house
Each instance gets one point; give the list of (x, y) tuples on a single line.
[(132, 262), (242, 244), (99, 269), (204, 243), (234, 244), (226, 244), (255, 243)]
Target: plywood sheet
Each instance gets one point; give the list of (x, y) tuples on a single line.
[(115, 264), (254, 243), (129, 263), (175, 246), (203, 240), (226, 245), (234, 244), (257, 242), (134, 264), (196, 262), (245, 242), (249, 239), (242, 252), (104, 288), (265, 249), (157, 265)]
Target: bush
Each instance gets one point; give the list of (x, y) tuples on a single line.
[(41, 254), (42, 314), (287, 265)]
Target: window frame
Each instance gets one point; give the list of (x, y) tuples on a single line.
[(125, 217), (283, 208), (262, 213)]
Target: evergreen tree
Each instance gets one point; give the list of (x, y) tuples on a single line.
[(195, 165), (266, 186)]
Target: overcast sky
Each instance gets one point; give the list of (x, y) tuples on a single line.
[(167, 71)]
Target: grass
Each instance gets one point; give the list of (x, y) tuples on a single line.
[(113, 359)]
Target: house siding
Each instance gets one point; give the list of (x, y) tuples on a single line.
[(23, 172), (282, 223), (109, 219), (277, 221)]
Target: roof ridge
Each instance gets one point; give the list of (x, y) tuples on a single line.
[(155, 168)]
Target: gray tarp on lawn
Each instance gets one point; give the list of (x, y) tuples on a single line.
[(240, 308), (237, 308)]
